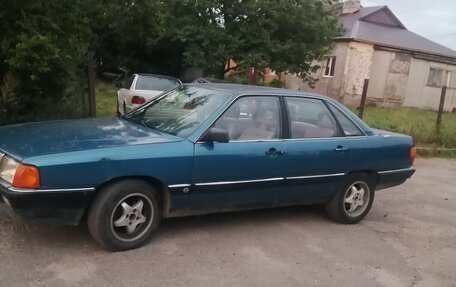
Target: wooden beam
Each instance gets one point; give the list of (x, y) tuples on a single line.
[(363, 98), (91, 84)]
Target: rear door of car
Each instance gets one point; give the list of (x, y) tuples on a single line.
[(246, 171), (317, 153)]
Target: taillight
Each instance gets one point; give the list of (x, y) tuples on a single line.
[(137, 100), (412, 155), (26, 176)]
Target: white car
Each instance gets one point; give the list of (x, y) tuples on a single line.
[(141, 88)]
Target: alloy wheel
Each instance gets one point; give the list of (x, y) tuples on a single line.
[(356, 199), (132, 217)]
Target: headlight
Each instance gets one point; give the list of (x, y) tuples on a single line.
[(8, 167)]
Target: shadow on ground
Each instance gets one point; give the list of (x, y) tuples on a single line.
[(74, 236)]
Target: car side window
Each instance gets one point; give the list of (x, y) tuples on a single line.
[(252, 118), (349, 128), (310, 118)]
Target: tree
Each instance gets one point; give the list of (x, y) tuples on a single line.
[(42, 49), (170, 36), (43, 43), (131, 34), (286, 35)]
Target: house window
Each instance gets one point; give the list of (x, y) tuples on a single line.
[(435, 77), (452, 75), (330, 67)]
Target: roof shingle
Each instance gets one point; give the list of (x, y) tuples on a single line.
[(393, 37)]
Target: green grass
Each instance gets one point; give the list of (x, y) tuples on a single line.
[(417, 123), (436, 152), (106, 96)]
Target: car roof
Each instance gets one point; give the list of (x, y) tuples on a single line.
[(157, 76), (238, 89), (210, 80)]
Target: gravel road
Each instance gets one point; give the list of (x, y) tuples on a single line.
[(408, 239)]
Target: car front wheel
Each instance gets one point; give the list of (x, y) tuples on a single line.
[(124, 215), (353, 202)]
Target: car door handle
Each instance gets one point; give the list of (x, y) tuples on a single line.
[(341, 148), (273, 152)]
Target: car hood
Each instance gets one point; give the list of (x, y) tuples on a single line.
[(42, 138)]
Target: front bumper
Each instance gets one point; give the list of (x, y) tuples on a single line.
[(53, 206)]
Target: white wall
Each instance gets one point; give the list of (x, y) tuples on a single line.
[(400, 85), (430, 96), (357, 69), (396, 79), (329, 86)]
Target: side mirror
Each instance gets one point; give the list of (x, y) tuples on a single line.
[(215, 135), (119, 85)]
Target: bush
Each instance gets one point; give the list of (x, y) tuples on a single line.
[(42, 49)]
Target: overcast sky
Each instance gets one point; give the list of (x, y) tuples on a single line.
[(435, 20)]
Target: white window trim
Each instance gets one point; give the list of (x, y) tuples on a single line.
[(330, 63), (439, 86)]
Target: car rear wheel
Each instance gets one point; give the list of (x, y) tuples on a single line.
[(124, 215), (353, 202)]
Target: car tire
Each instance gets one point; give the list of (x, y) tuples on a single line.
[(354, 200), (124, 215)]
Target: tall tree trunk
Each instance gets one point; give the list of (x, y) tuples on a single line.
[(220, 73), (256, 75)]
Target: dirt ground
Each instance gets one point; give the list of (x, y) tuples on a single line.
[(408, 239)]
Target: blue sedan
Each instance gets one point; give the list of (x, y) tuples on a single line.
[(198, 149)]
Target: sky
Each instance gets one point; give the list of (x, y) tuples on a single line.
[(435, 20)]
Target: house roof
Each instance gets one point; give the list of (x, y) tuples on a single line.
[(378, 25)]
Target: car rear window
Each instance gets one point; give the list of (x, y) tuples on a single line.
[(156, 83)]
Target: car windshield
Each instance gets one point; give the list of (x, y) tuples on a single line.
[(179, 112), (156, 83)]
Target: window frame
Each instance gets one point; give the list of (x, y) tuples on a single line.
[(330, 66), (442, 72), (202, 124), (452, 78), (339, 131), (281, 118), (363, 133), (284, 133)]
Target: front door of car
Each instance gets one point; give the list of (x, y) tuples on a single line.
[(317, 153), (244, 172)]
